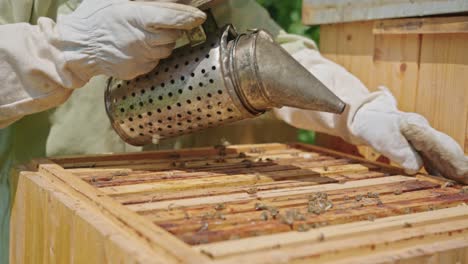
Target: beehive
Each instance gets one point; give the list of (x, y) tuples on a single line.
[(269, 203)]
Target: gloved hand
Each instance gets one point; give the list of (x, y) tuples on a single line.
[(41, 64), (373, 119), (121, 38)]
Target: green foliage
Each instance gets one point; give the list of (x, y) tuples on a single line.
[(287, 13)]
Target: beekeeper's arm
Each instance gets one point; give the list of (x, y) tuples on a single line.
[(370, 118), (40, 65)]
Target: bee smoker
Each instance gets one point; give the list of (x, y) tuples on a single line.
[(227, 78)]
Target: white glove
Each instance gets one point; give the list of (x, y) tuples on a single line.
[(121, 38), (373, 119), (117, 38)]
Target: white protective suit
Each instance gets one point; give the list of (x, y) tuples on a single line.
[(40, 65)]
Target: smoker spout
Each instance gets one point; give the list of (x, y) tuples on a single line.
[(279, 79)]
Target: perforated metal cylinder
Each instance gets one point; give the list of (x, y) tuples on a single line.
[(183, 94)]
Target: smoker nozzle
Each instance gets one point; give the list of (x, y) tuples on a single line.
[(266, 76)]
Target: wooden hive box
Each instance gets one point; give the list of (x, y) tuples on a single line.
[(269, 203), (418, 49)]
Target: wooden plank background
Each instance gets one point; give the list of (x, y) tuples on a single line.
[(427, 73), (336, 11)]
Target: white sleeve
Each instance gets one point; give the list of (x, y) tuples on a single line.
[(32, 69)]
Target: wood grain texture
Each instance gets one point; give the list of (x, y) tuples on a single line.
[(256, 244), (171, 249), (426, 25), (50, 224), (269, 203), (442, 88), (316, 12)]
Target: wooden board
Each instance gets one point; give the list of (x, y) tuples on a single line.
[(442, 88), (265, 203), (425, 25), (316, 12)]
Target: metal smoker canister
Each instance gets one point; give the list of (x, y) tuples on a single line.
[(228, 78)]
